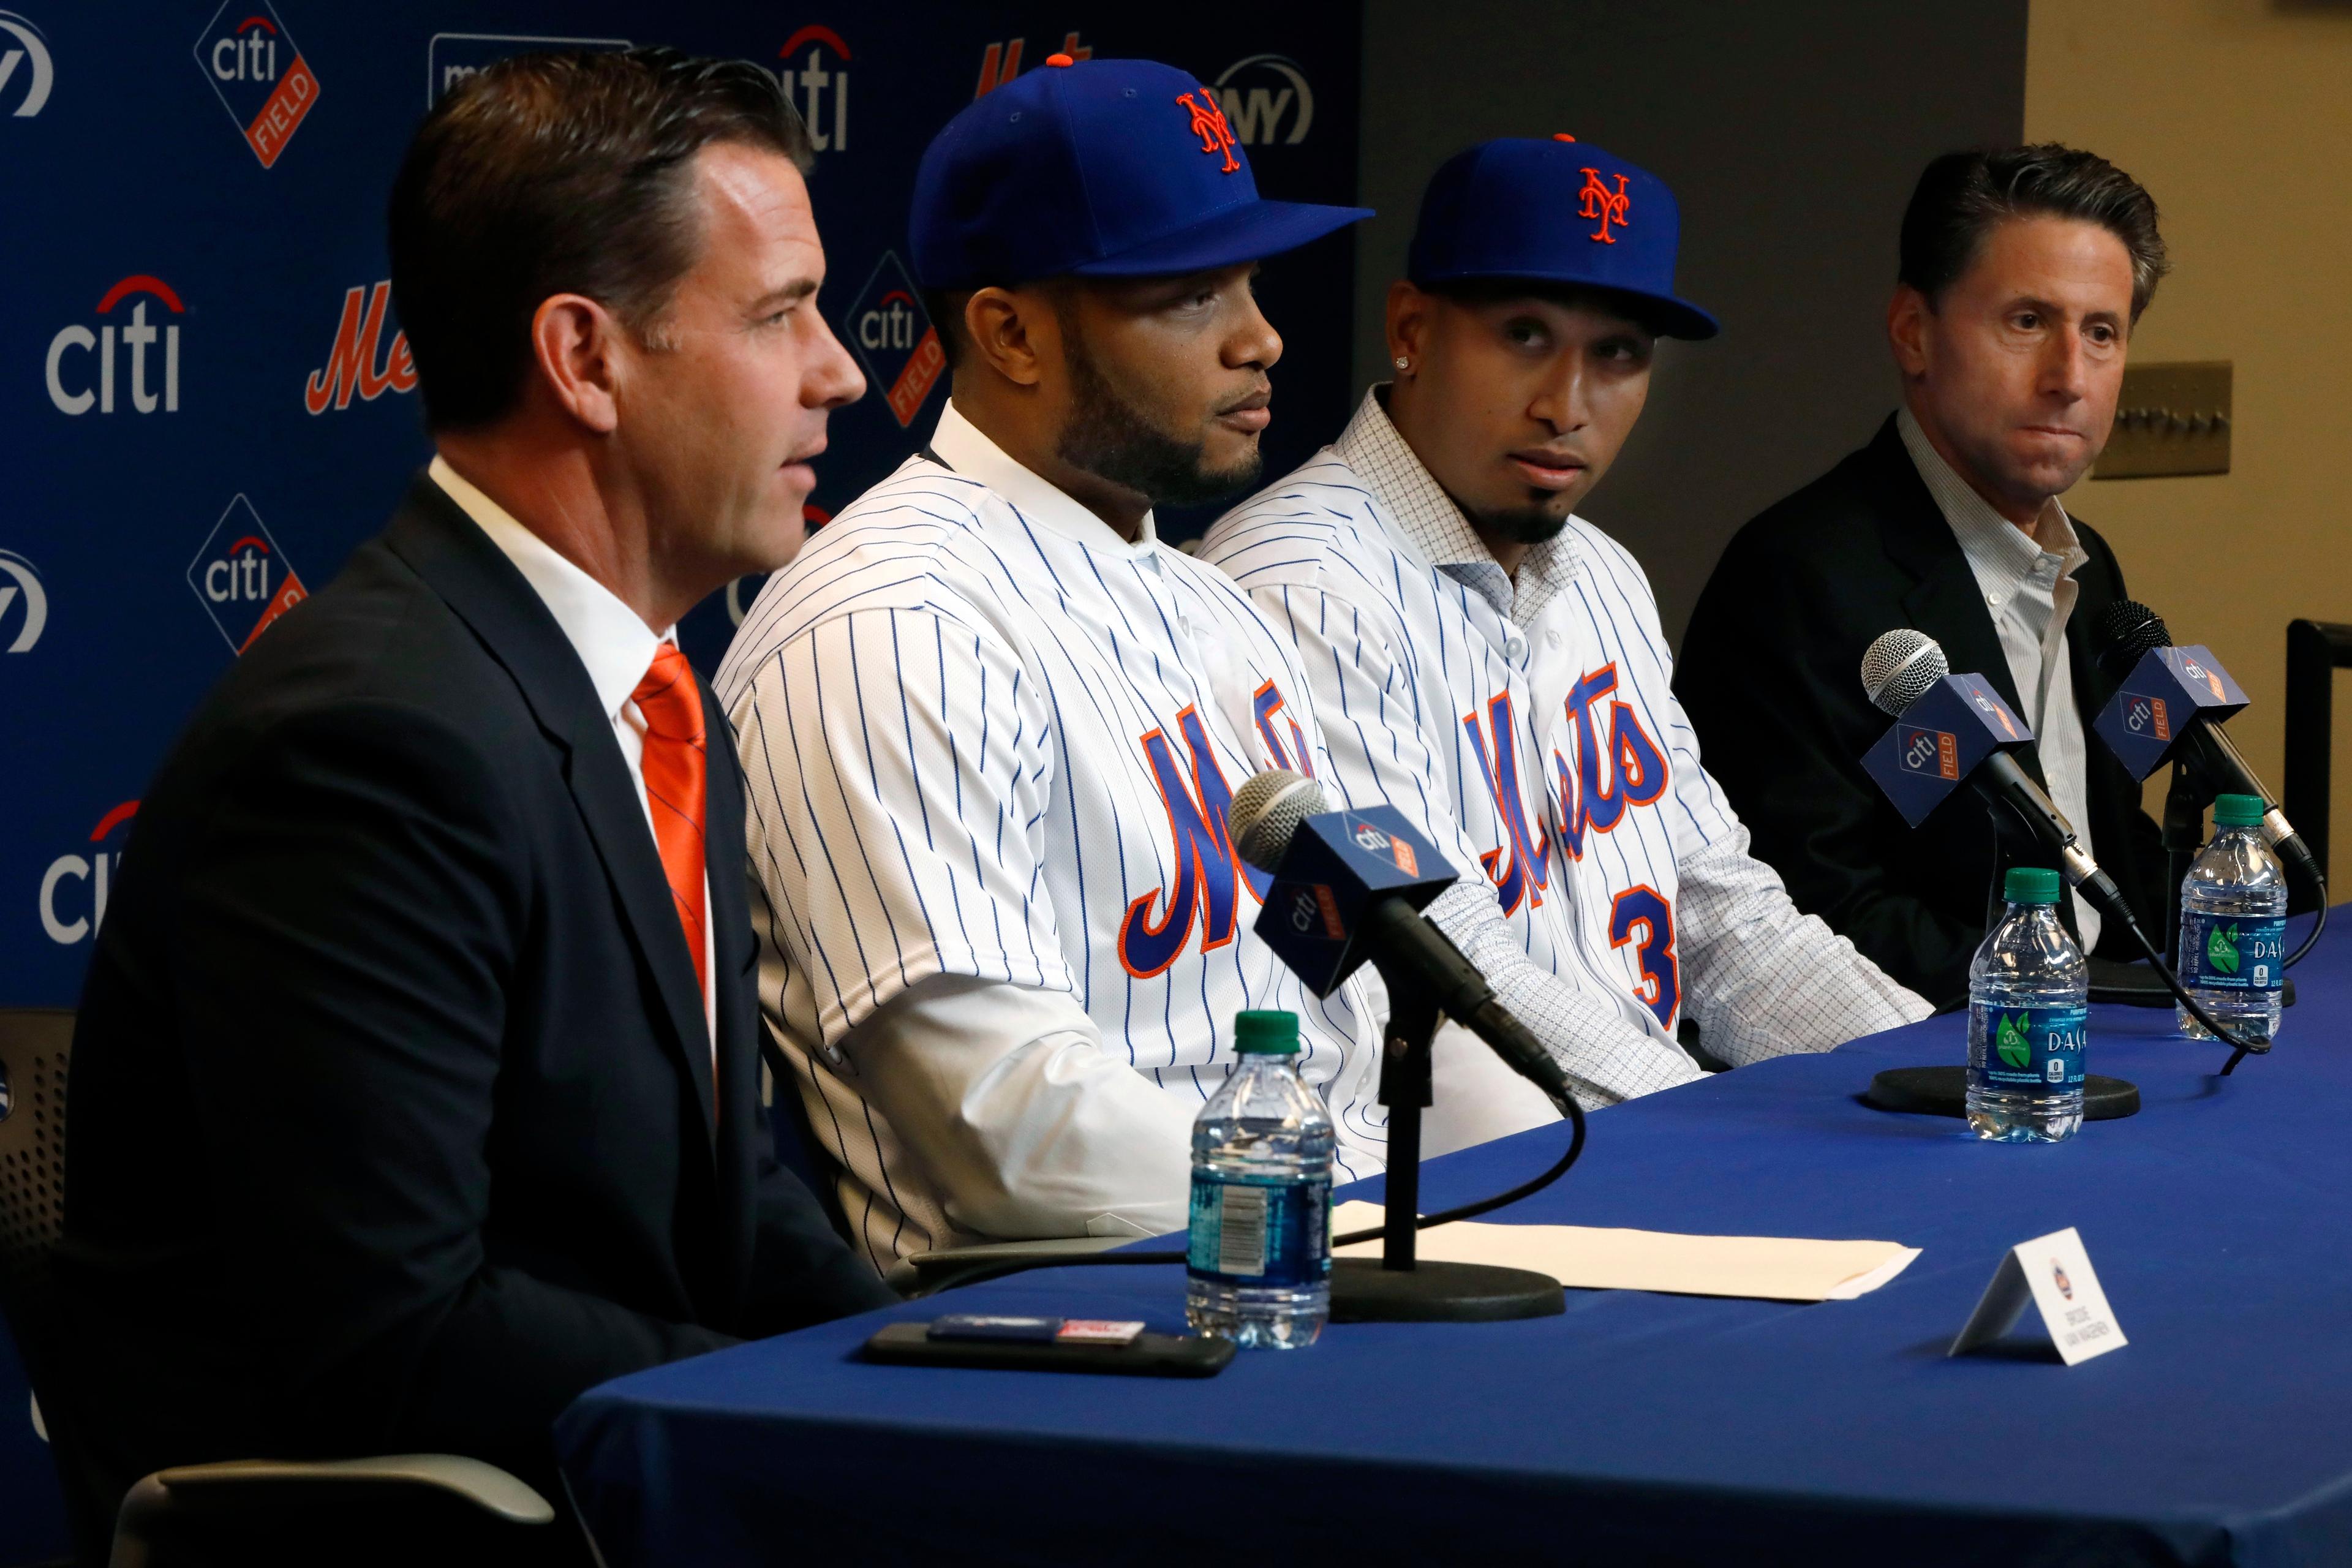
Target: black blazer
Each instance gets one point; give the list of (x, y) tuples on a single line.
[(1771, 675), (392, 1117)]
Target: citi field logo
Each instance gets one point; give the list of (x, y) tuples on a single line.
[(77, 386), (1935, 753), (893, 336), (2144, 715), (1267, 100), (360, 362), (20, 584), (23, 50), (73, 889), (255, 66), (242, 578), (451, 58), (808, 84), (1002, 62)]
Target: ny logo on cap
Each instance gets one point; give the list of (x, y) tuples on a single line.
[(1209, 125), (1608, 206)]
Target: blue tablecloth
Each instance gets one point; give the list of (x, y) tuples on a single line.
[(1638, 1428)]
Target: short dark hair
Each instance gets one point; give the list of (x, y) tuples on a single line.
[(551, 174), (1963, 195), (945, 308)]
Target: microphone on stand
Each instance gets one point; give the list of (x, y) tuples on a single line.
[(1348, 887), (2168, 706), (1948, 728)]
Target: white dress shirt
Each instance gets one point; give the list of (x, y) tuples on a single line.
[(2028, 581), (613, 642)]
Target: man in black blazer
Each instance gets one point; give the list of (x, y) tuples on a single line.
[(416, 1087), (2023, 271)]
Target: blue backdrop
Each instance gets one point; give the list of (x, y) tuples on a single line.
[(210, 402)]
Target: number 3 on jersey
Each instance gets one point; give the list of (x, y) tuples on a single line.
[(1640, 918)]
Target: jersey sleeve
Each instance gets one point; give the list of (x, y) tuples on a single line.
[(1760, 977), (897, 765)]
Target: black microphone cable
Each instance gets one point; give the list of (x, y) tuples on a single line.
[(2102, 889), (981, 1272)]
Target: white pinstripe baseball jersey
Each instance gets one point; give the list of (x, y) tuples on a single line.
[(1532, 729), (994, 739)]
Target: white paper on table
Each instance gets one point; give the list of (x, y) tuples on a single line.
[(1587, 1258)]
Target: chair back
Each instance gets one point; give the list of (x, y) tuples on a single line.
[(35, 1045)]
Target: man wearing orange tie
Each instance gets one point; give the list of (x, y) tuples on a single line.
[(415, 1085)]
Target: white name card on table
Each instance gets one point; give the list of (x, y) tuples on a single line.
[(1587, 1258), (2054, 1273)]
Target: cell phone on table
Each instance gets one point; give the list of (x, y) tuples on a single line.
[(1049, 1344)]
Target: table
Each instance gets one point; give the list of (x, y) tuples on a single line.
[(1638, 1428)]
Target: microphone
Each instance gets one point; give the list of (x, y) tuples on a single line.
[(1350, 886), (2168, 705), (1949, 728)]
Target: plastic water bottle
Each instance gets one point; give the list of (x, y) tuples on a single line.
[(2028, 995), (1259, 1259), (2233, 926)]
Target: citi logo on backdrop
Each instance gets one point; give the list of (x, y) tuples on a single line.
[(73, 889), (808, 84), (110, 367), (892, 335), (255, 66), (360, 362), (241, 577), (25, 69), (23, 603)]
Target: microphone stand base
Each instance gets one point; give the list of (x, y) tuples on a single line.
[(1364, 1291), (1944, 1091)]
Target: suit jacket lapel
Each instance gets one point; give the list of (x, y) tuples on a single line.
[(434, 535), (1945, 596)]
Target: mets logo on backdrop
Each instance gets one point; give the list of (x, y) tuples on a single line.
[(242, 578), (894, 336), (23, 48), (262, 79), (360, 361), (20, 582), (1266, 99), (451, 58)]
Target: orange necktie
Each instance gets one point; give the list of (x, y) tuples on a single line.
[(675, 766)]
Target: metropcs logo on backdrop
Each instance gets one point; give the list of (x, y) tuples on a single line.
[(1267, 100), (827, 133), (355, 363), (263, 80), (451, 58), (893, 336), (20, 584), (74, 915), (24, 65), (242, 578), (94, 386)]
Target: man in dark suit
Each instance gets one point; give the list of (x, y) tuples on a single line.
[(416, 1087), (2022, 273)]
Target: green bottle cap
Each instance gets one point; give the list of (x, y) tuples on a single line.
[(1265, 1031), (2030, 885), (2237, 810)]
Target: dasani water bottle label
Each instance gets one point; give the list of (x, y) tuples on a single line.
[(2232, 952), (1260, 1231), (2029, 1049)]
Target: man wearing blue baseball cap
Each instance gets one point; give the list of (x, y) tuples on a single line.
[(1499, 659), (991, 725)]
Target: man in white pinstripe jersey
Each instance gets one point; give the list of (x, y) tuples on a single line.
[(1492, 664), (989, 725)]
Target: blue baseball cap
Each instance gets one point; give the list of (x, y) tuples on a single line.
[(1555, 211), (1100, 168)]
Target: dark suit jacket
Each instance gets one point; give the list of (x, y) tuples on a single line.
[(392, 1098), (1771, 675)]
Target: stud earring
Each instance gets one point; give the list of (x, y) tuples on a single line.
[(1402, 363)]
